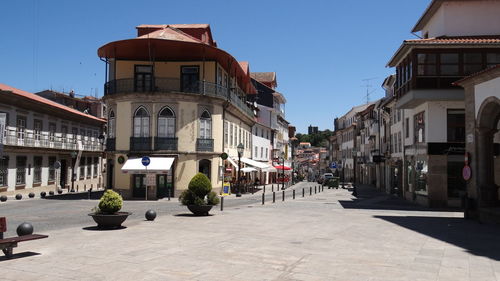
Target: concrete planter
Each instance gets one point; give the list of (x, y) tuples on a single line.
[(110, 221), (200, 210)]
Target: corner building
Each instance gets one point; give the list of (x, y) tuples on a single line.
[(172, 95)]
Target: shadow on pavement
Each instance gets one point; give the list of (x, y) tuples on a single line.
[(192, 215), (369, 198), (76, 195), (477, 239), (19, 256), (95, 228)]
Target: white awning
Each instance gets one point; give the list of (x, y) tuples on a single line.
[(158, 165), (233, 163), (270, 170), (254, 163), (248, 170)]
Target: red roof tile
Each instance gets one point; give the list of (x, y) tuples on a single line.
[(46, 102), (457, 40), (444, 41), (169, 33)]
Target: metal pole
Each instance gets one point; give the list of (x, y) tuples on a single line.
[(146, 167), (283, 196), (293, 194), (303, 192), (310, 191), (283, 174), (222, 203), (274, 197), (263, 198)]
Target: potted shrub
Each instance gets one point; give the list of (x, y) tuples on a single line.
[(199, 197), (107, 214)]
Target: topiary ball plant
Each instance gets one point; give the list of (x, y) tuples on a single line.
[(111, 202), (199, 192)]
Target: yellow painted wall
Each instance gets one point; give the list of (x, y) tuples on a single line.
[(123, 125), (125, 69), (231, 150)]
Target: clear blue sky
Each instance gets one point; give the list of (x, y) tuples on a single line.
[(320, 50)]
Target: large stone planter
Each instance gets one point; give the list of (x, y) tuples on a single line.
[(200, 210), (110, 221)]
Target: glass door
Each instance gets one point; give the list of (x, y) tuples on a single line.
[(190, 79), (139, 186), (143, 78)]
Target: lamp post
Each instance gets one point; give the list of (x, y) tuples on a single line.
[(355, 152), (294, 142), (283, 171), (103, 156), (73, 158), (240, 149)]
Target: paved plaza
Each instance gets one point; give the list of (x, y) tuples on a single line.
[(327, 236)]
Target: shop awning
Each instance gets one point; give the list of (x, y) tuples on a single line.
[(233, 163), (158, 165), (254, 163), (248, 170)]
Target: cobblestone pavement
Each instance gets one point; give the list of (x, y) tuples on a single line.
[(327, 236)]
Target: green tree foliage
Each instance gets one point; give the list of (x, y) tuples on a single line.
[(199, 192), (317, 140)]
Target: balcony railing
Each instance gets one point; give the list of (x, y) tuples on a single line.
[(165, 143), (205, 145), (140, 144), (28, 138), (169, 85), (110, 144)]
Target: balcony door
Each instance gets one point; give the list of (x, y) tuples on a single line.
[(190, 77), (143, 78)]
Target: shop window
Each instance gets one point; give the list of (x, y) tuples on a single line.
[(456, 125), (37, 169)]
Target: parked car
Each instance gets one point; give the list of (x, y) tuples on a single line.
[(325, 178)]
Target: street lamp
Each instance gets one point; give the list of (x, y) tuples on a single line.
[(355, 159), (294, 142), (283, 171), (240, 148), (103, 157), (73, 158)]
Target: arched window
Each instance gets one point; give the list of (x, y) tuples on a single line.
[(111, 125), (205, 125), (141, 123), (166, 123)]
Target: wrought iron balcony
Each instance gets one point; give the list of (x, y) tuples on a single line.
[(30, 138), (205, 145), (162, 143), (171, 85), (110, 144), (140, 144)]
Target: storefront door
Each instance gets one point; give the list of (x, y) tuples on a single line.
[(164, 186), (139, 186)]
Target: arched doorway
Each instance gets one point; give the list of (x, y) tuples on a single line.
[(204, 167), (488, 160)]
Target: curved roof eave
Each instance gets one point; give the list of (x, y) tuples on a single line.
[(163, 49)]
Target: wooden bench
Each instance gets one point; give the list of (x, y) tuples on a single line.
[(8, 244)]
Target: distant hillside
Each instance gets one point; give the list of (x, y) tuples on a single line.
[(319, 140)]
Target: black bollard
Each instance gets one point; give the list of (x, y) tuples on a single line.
[(222, 203), (274, 197), (272, 187), (264, 189), (303, 192), (293, 194), (314, 189), (310, 191), (283, 196), (263, 198)]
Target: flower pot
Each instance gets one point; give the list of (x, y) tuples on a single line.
[(110, 221), (200, 210)]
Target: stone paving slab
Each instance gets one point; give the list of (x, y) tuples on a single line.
[(311, 238)]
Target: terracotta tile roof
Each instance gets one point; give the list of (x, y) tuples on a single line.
[(457, 40), (244, 66), (479, 73), (264, 76), (46, 102), (444, 41), (200, 25), (169, 33)]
